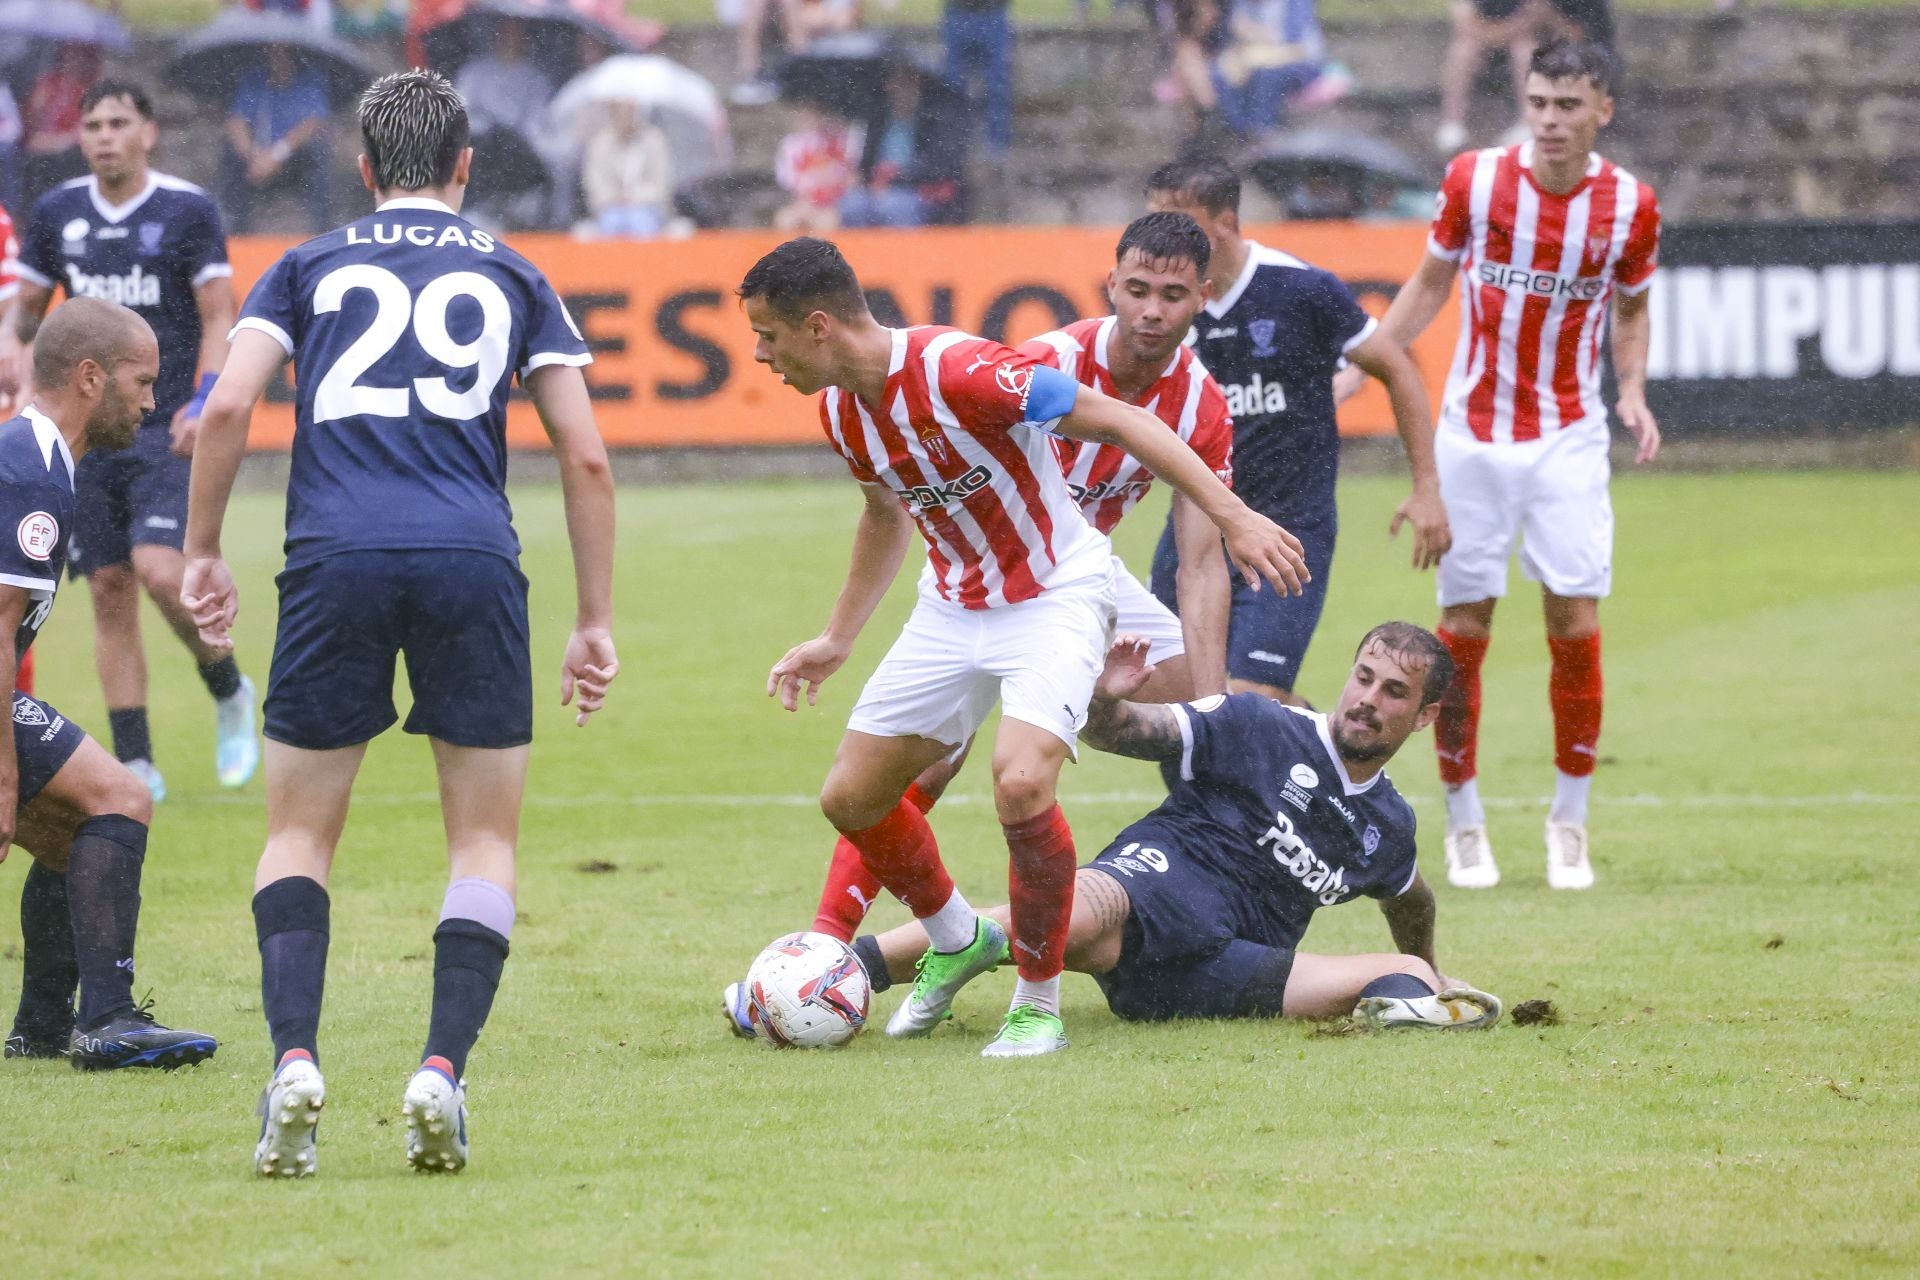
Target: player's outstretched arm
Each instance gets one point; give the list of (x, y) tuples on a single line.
[(1390, 362), (1419, 301), (207, 588), (880, 544), (559, 394), (1142, 730), (1632, 334), (1261, 548), (1205, 595), (1410, 920)]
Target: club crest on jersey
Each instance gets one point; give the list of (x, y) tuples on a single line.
[(1262, 332), (37, 534), (1369, 842), (27, 711), (934, 440), (150, 233)]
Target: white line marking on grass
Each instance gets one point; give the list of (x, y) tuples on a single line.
[(764, 800)]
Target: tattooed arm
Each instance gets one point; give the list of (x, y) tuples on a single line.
[(1145, 731)]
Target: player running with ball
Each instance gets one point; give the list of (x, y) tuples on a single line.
[(954, 434), (1546, 239), (406, 329)]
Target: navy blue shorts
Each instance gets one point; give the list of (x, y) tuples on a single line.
[(458, 617), (43, 741), (1180, 953), (127, 498), (1267, 633)]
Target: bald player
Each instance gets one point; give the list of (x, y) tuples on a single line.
[(63, 798)]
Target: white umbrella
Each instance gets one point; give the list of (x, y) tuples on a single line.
[(683, 103)]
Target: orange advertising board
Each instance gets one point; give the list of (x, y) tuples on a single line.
[(673, 357)]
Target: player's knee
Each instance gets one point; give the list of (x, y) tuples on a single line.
[(850, 806), (1022, 793), (124, 794), (114, 589)]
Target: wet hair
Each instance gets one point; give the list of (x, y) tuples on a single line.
[(1572, 59), (133, 93), (413, 125), (805, 275), (1415, 647), (83, 329), (1203, 180), (1165, 239)]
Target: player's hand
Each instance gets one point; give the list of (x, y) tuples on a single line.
[(587, 670), (806, 664), (1432, 536), (1348, 383), (1126, 670), (1260, 549), (1638, 420), (185, 431), (207, 590)]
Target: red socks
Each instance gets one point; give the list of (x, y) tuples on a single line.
[(1041, 872), (1456, 734), (1574, 689), (850, 889), (900, 853)]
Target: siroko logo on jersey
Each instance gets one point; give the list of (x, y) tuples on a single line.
[(1256, 396), (1299, 861), (134, 289), (1100, 492), (1542, 284), (925, 497)]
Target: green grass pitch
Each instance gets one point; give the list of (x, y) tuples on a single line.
[(1732, 1090)]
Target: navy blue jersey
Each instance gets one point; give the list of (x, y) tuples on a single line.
[(149, 254), (405, 330), (36, 510), (1266, 805), (1273, 341)]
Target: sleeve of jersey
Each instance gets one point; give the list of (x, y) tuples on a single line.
[(1213, 431), (1404, 847), (1633, 273), (1342, 319), (1210, 732), (552, 336), (30, 516), (206, 252), (269, 306), (830, 427), (9, 258), (988, 386), (39, 259), (1447, 236)]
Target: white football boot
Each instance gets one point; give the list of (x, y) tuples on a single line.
[(289, 1114), (1455, 1009), (738, 1012), (436, 1110), (1567, 864), (1470, 863), (236, 752)]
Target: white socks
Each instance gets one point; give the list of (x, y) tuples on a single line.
[(953, 926), (1570, 798), (1463, 806), (1042, 995)]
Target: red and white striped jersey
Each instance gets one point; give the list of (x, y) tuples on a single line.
[(1106, 479), (954, 443), (9, 259), (1537, 272)]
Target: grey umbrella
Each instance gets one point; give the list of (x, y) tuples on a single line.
[(1333, 172), (210, 62), (553, 31), (63, 22)]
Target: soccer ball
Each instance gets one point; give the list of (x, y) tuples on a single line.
[(807, 991)]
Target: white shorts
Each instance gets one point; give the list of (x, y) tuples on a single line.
[(1038, 659), (1551, 493), (1140, 613)]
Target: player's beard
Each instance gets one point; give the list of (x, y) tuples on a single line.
[(1359, 752)]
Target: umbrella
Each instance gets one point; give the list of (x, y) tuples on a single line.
[(553, 34), (63, 22), (1333, 172), (681, 102), (846, 74), (211, 62)]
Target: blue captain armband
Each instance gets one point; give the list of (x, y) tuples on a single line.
[(195, 406), (1050, 396)]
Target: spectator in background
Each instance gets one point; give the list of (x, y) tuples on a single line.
[(978, 38), (369, 19), (627, 173), (277, 138), (913, 167), (502, 88), (12, 130), (52, 121), (815, 166), (1273, 60), (1481, 26), (801, 22)]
